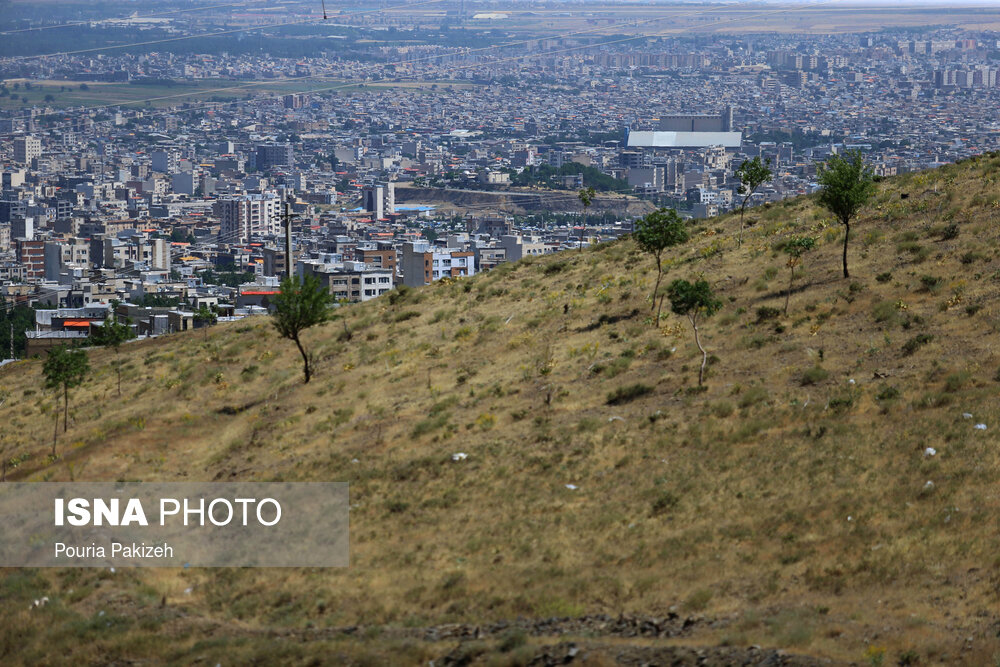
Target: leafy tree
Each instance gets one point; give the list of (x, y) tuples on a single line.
[(112, 334), (655, 232), (796, 247), (694, 300), (847, 185), (64, 369), (300, 305), (15, 319), (752, 174), (206, 316)]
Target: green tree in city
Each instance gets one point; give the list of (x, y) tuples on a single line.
[(795, 247), (112, 334), (655, 232), (696, 301), (752, 174), (64, 369), (300, 305), (847, 185)]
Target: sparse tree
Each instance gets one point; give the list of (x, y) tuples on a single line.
[(695, 300), (63, 370), (796, 247), (655, 232), (586, 196), (847, 185), (752, 174), (300, 305), (206, 316), (112, 334)]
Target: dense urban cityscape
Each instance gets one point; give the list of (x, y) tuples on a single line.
[(467, 157)]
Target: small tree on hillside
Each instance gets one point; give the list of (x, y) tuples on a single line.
[(847, 185), (695, 300), (206, 316), (655, 232), (64, 369), (752, 174), (586, 196), (112, 334), (300, 305), (795, 248)]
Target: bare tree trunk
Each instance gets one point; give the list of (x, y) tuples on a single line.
[(305, 359), (55, 432), (788, 292), (739, 241), (847, 233), (118, 369), (65, 408), (658, 309), (656, 289), (704, 354)]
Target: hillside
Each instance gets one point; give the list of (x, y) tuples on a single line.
[(787, 506)]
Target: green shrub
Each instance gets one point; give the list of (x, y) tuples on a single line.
[(758, 394), (886, 312), (915, 343), (956, 381), (628, 393), (722, 409), (765, 313), (406, 315), (664, 502), (814, 375), (930, 283), (887, 394), (884, 277), (555, 267), (949, 232)]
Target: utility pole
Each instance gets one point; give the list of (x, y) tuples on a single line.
[(287, 220)]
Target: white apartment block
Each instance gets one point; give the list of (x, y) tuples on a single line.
[(27, 149), (245, 216)]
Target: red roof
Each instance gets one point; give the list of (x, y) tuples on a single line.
[(258, 292), (76, 323)]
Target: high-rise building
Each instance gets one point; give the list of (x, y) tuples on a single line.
[(27, 149), (380, 199), (274, 155), (165, 161), (245, 216)]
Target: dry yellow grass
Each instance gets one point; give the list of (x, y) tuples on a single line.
[(789, 509)]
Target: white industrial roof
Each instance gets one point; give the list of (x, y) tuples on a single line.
[(685, 139)]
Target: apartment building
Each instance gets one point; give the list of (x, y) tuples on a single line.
[(424, 263)]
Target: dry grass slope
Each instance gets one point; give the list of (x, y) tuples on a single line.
[(787, 502)]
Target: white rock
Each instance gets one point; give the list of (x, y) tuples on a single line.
[(616, 418), (930, 451), (355, 461), (851, 381), (980, 427), (460, 456), (850, 518), (571, 487), (966, 415), (929, 485)]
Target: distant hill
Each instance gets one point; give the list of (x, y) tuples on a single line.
[(792, 505)]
